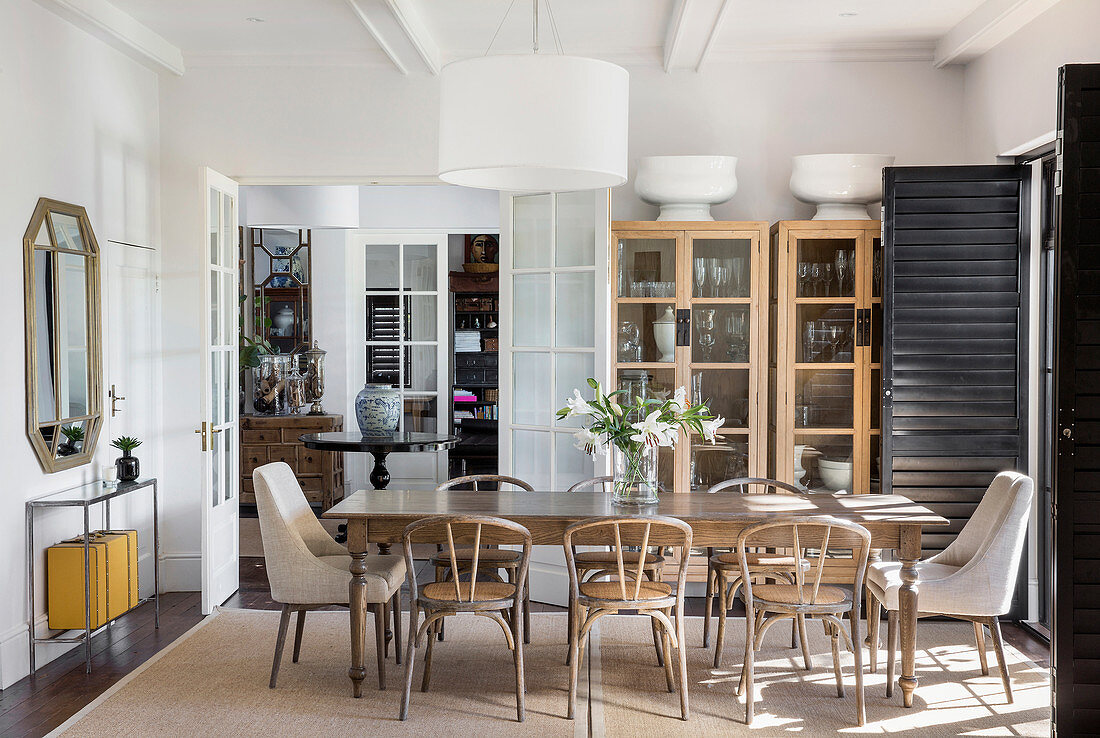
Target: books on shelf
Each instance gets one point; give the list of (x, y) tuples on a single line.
[(461, 395), (467, 341), (485, 412)]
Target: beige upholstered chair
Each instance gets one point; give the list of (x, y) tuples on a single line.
[(767, 604), (972, 579), (489, 599), (507, 561), (629, 589), (307, 569)]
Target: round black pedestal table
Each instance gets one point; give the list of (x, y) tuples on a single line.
[(379, 447)]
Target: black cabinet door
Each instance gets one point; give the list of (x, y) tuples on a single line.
[(954, 370), (1076, 637)]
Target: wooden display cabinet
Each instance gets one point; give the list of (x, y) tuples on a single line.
[(713, 277), (269, 438), (824, 354)]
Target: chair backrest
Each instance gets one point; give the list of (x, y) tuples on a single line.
[(479, 532), (755, 485), (625, 532), (290, 531), (799, 533), (994, 536), (588, 483), (479, 482)]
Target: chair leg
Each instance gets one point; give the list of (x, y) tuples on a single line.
[(410, 658), (794, 632), (386, 614), (720, 638), (518, 636), (891, 649), (526, 612), (284, 623), (569, 632), (380, 642), (299, 626), (747, 669), (709, 607), (428, 654), (805, 641), (438, 574), (834, 636), (667, 641), (396, 610), (681, 657), (857, 652), (874, 614), (979, 643), (661, 653), (576, 622), (998, 647)]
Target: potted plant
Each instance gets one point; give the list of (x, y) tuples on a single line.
[(635, 428), (74, 436), (251, 349), (128, 466)]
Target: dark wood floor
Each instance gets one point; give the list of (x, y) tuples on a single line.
[(34, 707)]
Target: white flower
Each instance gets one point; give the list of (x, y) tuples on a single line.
[(654, 432), (679, 400), (579, 406), (589, 442), (710, 427)]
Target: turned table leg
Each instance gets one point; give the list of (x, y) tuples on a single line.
[(357, 603), (907, 600)]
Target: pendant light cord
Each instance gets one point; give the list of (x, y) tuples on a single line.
[(534, 27)]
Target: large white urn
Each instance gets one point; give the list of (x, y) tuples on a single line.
[(841, 185), (686, 186)]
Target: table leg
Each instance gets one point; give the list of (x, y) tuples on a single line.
[(907, 599), (357, 603), (380, 479)]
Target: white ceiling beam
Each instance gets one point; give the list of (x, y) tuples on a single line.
[(398, 28), (991, 23), (122, 31), (692, 28)]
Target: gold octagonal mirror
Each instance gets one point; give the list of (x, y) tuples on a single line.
[(61, 273)]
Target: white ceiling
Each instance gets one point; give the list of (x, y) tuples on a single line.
[(421, 35)]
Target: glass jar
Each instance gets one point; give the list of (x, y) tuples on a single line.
[(269, 384), (314, 370), (295, 391)]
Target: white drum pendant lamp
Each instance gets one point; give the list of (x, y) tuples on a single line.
[(556, 123)]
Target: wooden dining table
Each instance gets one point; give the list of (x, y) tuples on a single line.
[(380, 516)]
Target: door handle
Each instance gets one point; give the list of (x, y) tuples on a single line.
[(202, 431), (114, 399)]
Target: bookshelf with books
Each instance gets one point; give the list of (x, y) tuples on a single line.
[(474, 390)]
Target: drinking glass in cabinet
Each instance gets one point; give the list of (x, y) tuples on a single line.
[(827, 333), (720, 267), (630, 345), (721, 333), (647, 267), (826, 267)]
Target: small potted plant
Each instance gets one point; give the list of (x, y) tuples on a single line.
[(74, 436), (128, 466)]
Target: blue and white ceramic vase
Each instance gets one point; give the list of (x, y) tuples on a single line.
[(378, 409)]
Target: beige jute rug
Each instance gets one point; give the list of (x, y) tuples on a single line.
[(214, 679)]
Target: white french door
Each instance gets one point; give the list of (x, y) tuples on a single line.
[(402, 318), (218, 370), (555, 299)]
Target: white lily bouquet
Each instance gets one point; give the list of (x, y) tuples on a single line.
[(634, 428)]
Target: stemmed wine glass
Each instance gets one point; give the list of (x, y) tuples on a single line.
[(841, 270), (704, 322), (827, 278), (700, 265), (738, 268), (803, 273), (735, 328), (817, 276), (714, 274)]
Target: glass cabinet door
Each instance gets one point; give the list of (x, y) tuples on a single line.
[(826, 269), (873, 400)]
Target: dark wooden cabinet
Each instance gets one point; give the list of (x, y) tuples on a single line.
[(269, 438)]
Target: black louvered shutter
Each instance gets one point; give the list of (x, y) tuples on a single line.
[(1076, 637), (953, 367)]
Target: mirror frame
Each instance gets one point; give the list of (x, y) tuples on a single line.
[(47, 453)]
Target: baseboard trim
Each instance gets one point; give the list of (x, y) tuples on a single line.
[(181, 572), (14, 651)]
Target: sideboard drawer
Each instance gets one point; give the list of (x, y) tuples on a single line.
[(257, 437), (309, 461), (284, 454), (252, 457)]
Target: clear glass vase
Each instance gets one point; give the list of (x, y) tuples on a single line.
[(634, 474)]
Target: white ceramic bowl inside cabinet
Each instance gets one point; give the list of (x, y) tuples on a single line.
[(841, 185), (837, 475), (686, 186)]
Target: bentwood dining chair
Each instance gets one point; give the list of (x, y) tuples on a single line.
[(972, 579), (506, 560), (767, 604), (489, 599), (724, 568), (596, 564), (629, 589), (308, 570)]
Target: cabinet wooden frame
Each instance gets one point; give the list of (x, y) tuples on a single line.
[(684, 234), (784, 299)]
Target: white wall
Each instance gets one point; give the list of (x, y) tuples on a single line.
[(1012, 91), (80, 124)]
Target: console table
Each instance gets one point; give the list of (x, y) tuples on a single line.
[(85, 496)]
